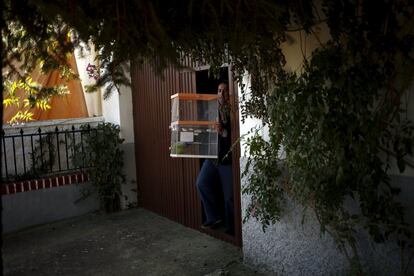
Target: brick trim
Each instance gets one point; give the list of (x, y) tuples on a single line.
[(43, 183)]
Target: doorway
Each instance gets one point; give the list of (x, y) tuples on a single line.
[(207, 83), (166, 185)]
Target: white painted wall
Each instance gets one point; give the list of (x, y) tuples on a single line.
[(290, 247), (83, 58), (118, 109), (31, 128), (410, 114), (31, 208), (125, 114), (58, 203), (408, 104), (250, 124), (111, 108)]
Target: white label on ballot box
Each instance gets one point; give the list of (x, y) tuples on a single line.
[(186, 136)]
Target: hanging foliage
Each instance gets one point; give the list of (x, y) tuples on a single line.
[(23, 53), (34, 96), (248, 33), (340, 121)]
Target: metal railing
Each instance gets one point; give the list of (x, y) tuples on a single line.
[(28, 156)]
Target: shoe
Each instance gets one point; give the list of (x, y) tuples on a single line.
[(212, 225)]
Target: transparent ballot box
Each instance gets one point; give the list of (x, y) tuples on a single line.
[(193, 132), (194, 107), (196, 141)]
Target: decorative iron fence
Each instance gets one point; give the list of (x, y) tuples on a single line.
[(29, 156)]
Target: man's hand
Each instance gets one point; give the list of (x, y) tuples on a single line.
[(218, 127)]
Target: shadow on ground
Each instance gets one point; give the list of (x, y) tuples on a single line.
[(132, 242)]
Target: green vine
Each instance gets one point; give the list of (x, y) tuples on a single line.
[(100, 155), (339, 121), (340, 124)]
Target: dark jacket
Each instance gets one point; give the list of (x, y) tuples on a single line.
[(224, 139)]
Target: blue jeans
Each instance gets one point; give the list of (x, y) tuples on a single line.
[(208, 186)]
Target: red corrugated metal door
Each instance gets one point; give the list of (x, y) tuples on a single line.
[(167, 185)]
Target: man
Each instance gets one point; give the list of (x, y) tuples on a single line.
[(220, 169)]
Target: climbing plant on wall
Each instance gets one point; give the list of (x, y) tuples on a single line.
[(340, 120), (341, 123)]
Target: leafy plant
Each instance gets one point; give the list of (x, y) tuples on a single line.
[(23, 56), (338, 120), (100, 155), (44, 154), (42, 157), (34, 96), (337, 126)]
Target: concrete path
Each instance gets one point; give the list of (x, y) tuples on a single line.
[(132, 242)]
